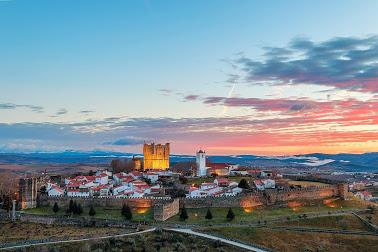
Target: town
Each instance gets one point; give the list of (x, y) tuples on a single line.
[(150, 175), (148, 190)]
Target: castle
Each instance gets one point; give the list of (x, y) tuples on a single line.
[(28, 190), (156, 156)]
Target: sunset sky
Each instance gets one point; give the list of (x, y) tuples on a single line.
[(231, 77)]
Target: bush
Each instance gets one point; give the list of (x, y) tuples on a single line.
[(92, 211), (230, 215), (75, 208), (209, 215), (243, 184), (70, 207), (55, 208), (183, 215), (79, 209), (126, 212)]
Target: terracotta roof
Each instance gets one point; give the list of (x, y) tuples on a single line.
[(366, 193), (223, 181), (258, 182)]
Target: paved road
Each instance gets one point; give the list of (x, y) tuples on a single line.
[(212, 237), (78, 240)]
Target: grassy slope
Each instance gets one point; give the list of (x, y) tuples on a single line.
[(197, 216), (295, 241), (345, 222), (20, 231)]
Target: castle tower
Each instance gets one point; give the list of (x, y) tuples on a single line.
[(201, 163), (156, 156)]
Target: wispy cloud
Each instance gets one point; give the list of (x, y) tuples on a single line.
[(61, 111), (10, 106), (343, 62), (86, 112)]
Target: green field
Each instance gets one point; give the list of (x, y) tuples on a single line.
[(101, 213), (297, 241), (197, 216), (343, 222)]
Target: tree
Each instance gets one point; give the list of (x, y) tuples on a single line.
[(230, 215), (74, 208), (79, 209), (209, 215), (371, 209), (183, 180), (92, 211), (55, 208), (8, 184), (43, 189), (183, 215), (91, 173), (70, 207), (7, 203), (126, 212), (243, 184)]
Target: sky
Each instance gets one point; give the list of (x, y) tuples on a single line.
[(230, 77)]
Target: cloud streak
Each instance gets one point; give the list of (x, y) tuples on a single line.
[(343, 63), (12, 106)]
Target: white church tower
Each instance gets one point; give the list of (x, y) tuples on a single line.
[(201, 163)]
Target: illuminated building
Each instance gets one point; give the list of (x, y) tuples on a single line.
[(156, 156)]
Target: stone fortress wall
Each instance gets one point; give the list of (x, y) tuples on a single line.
[(28, 189), (164, 211), (156, 156), (145, 202), (269, 198)]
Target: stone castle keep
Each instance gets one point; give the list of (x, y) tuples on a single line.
[(156, 156)]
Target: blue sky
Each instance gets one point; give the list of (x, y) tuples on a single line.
[(140, 59)]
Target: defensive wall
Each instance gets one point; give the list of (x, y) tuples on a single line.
[(271, 197), (166, 207), (164, 211), (145, 202)]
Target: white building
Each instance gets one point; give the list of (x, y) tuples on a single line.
[(201, 163), (120, 189), (153, 177), (364, 195), (102, 179), (269, 183), (77, 193), (54, 190)]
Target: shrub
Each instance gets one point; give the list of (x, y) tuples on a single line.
[(183, 215), (70, 207), (243, 184), (74, 208), (230, 215), (126, 212), (79, 209), (92, 211), (209, 215), (55, 208)]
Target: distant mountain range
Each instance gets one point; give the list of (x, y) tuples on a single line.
[(342, 162)]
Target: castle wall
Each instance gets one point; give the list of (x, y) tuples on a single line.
[(28, 190), (156, 156), (63, 201), (165, 211), (265, 198)]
